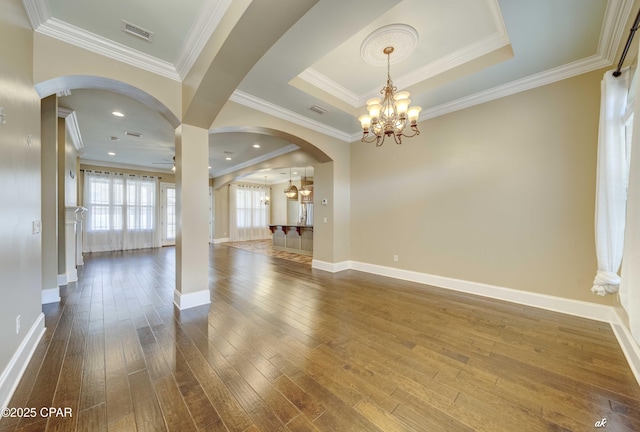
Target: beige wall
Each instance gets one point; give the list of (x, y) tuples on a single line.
[(20, 249), (501, 193), (221, 216)]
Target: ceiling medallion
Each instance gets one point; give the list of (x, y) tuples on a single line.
[(403, 38)]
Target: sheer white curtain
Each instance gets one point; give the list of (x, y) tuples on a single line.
[(248, 215), (630, 283), (121, 211), (611, 183)]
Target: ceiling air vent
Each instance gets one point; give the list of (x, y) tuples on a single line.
[(127, 27), (318, 109), (133, 134)]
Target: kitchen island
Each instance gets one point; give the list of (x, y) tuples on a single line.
[(292, 238)]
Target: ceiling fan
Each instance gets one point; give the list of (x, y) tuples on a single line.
[(172, 163)]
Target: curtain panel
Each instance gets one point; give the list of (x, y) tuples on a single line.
[(611, 183), (122, 211), (248, 214)]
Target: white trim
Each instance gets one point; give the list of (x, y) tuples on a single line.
[(18, 364), (38, 12), (190, 300), (71, 123), (207, 20), (51, 295), (124, 166), (628, 345), (90, 41), (330, 267), (532, 81), (62, 280), (221, 240), (267, 107), (557, 304), (281, 151)]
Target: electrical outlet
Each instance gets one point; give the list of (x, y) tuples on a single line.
[(18, 324), (395, 258), (35, 227)]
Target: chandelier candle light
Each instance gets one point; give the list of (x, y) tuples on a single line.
[(391, 115)]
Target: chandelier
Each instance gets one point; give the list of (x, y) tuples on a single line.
[(392, 115)]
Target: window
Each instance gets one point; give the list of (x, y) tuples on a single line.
[(121, 211)]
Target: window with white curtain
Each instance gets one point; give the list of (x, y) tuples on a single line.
[(122, 211), (249, 216)]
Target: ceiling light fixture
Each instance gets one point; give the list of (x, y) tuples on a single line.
[(117, 114), (291, 191), (305, 190), (256, 146), (227, 158), (391, 115), (111, 153)]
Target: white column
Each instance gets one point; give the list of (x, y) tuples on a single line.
[(49, 209), (192, 213)]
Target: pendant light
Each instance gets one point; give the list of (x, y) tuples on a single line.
[(305, 190), (291, 191)]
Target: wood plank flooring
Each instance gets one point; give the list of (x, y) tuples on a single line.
[(287, 348)]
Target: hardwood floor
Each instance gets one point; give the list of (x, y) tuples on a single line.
[(287, 348)]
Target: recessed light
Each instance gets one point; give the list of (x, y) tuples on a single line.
[(114, 138), (111, 154), (256, 146), (209, 167), (117, 114), (228, 158)]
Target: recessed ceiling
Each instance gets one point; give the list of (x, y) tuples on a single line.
[(468, 52)]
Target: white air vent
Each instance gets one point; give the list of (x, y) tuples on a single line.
[(318, 109), (127, 27), (133, 134)]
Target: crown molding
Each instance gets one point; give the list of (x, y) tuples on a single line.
[(281, 151), (71, 123), (547, 77), (328, 85), (102, 164), (38, 12), (76, 36), (613, 27), (207, 20), (268, 108)]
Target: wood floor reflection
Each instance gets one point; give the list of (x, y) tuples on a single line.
[(287, 348)]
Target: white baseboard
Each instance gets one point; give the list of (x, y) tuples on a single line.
[(18, 364), (628, 344), (190, 300), (72, 276), (557, 304), (221, 240), (62, 280), (51, 295), (330, 267)]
